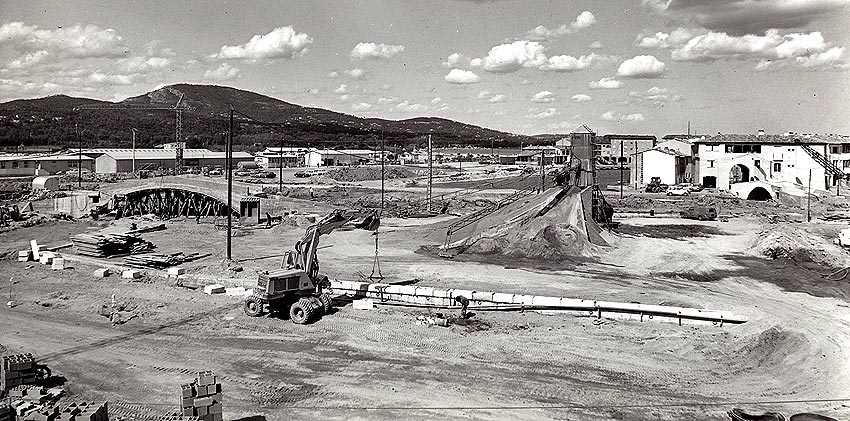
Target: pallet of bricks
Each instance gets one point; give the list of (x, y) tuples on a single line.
[(17, 370), (35, 403), (202, 398), (83, 411)]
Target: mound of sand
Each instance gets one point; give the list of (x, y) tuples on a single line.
[(353, 174), (795, 243), (549, 226)]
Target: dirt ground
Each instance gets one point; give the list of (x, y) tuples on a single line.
[(791, 356)]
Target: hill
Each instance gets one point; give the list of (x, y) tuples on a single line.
[(53, 121)]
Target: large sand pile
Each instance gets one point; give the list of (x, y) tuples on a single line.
[(552, 225)]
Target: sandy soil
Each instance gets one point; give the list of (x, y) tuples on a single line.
[(380, 364)]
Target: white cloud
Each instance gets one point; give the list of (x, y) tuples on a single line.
[(507, 58), (565, 63), (484, 94), (436, 100), (361, 106), (497, 98), (460, 76), (344, 97), (581, 98), (647, 67), (386, 87), (834, 57), (371, 50), (387, 99), (476, 62), (544, 96), (223, 72), (606, 83), (536, 113), (541, 33), (356, 73), (409, 107), (280, 43), (595, 45), (656, 96), (451, 61), (342, 89), (612, 116), (333, 75), (660, 40), (32, 46)]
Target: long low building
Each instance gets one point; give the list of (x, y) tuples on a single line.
[(43, 164), (109, 161)]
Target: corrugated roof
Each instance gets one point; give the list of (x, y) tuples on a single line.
[(774, 139), (55, 157), (168, 154)]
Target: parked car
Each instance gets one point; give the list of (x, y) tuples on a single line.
[(215, 172), (702, 213), (242, 173), (264, 174), (694, 187), (678, 190), (310, 172)]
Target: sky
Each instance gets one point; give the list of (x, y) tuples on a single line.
[(527, 66)]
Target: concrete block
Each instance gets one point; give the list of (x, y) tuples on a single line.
[(203, 402), (131, 274), (34, 248), (46, 257), (364, 304), (58, 263), (501, 298), (25, 255), (102, 273), (214, 289), (236, 292), (215, 408), (176, 271), (482, 296)]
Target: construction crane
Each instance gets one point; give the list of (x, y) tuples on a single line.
[(178, 126)]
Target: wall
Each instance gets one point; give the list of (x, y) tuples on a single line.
[(659, 164), (795, 164)]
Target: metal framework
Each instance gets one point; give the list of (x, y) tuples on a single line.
[(169, 203)]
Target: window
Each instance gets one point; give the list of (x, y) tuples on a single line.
[(711, 148), (743, 148), (26, 164), (777, 167), (846, 163), (710, 163), (834, 162), (835, 149), (15, 164), (845, 148)]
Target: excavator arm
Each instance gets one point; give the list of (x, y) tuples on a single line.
[(304, 256)]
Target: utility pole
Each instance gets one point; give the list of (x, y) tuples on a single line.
[(383, 158), (542, 170), (228, 156), (621, 168), (79, 157), (430, 172), (809, 199), (134, 150), (280, 169)]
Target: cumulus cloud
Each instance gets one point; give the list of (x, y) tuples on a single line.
[(373, 51), (333, 75), (387, 99), (461, 77), (606, 83), (537, 113), (834, 57), (451, 61), (280, 43), (581, 98), (32, 46), (541, 33), (484, 94), (741, 17), (410, 107), (647, 67), (497, 98), (356, 73), (342, 89), (507, 58), (436, 100), (565, 63), (223, 72), (675, 38), (361, 106), (612, 116), (544, 97), (656, 96), (595, 45)]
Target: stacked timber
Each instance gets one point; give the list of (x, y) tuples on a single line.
[(105, 245), (162, 261)]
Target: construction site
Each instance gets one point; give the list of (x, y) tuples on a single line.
[(407, 292)]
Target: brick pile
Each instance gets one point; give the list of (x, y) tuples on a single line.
[(202, 398), (176, 417), (85, 411), (17, 370), (34, 402)]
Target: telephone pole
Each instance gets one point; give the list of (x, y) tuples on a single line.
[(383, 158), (79, 157), (228, 156), (430, 172), (134, 150), (621, 168), (542, 170)]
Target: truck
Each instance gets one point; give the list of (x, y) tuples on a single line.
[(298, 289)]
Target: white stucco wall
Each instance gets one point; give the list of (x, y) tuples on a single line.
[(659, 164), (795, 164)]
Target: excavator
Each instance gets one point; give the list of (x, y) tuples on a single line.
[(297, 289)]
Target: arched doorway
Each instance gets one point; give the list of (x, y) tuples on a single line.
[(759, 193), (739, 174)]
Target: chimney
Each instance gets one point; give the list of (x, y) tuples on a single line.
[(761, 133)]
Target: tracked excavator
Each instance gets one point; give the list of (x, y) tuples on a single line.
[(297, 289)]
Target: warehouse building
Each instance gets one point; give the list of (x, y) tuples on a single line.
[(23, 165), (110, 161)]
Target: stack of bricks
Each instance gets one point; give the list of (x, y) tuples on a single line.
[(34, 403), (85, 411), (202, 398), (6, 413), (17, 370), (176, 417)]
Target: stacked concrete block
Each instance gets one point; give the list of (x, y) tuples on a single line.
[(58, 263), (176, 417), (86, 411), (202, 398), (214, 289), (6, 412), (17, 370), (25, 255)]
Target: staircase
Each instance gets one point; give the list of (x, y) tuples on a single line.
[(820, 159)]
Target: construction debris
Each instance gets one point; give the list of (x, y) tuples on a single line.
[(85, 411), (17, 370), (35, 403), (106, 245), (214, 289), (162, 261), (6, 412), (102, 273), (202, 398)]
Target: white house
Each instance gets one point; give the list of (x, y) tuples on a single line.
[(669, 165)]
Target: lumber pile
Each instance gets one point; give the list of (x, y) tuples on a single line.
[(105, 245), (202, 398), (17, 370), (162, 261)]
